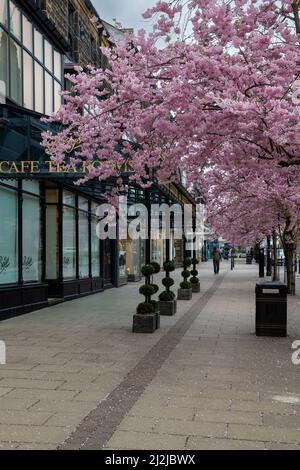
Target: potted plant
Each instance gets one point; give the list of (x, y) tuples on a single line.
[(155, 303), (194, 279), (167, 302), (145, 319), (185, 291)]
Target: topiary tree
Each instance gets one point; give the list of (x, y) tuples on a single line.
[(186, 274), (168, 282), (156, 268), (194, 279), (147, 290)]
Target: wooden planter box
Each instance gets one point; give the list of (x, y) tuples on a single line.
[(196, 287), (168, 307), (144, 323), (185, 294)]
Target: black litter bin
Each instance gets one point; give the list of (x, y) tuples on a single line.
[(271, 308)]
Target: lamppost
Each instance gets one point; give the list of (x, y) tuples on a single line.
[(269, 268), (261, 262)]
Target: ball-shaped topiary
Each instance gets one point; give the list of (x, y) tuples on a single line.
[(185, 285), (187, 262), (145, 307), (167, 296), (155, 305), (147, 290), (185, 274), (155, 287), (168, 282), (169, 266), (194, 272), (156, 267), (147, 270)]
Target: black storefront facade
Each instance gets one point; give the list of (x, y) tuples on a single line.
[(49, 249)]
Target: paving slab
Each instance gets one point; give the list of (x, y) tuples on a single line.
[(76, 373)]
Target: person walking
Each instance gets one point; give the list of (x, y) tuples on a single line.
[(216, 260)]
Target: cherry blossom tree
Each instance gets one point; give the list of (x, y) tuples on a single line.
[(220, 95)]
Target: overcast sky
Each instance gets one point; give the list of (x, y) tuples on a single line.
[(127, 12)]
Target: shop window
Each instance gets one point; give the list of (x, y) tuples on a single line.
[(3, 64), (3, 13), (133, 252), (31, 238), (31, 187), (39, 88), (15, 72), (48, 94), (57, 96), (52, 248), (38, 45), (69, 198), (57, 65), (48, 56), (28, 80), (15, 19), (27, 34), (83, 244), (95, 249), (52, 196), (9, 236), (69, 243)]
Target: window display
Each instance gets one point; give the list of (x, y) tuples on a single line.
[(32, 245), (9, 236)]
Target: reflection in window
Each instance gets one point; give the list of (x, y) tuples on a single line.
[(38, 45), (39, 88), (3, 12), (15, 20), (57, 65), (57, 96), (28, 80), (52, 246), (69, 198), (69, 243), (31, 238), (9, 236), (3, 64), (27, 33), (48, 94), (83, 245), (48, 56), (95, 249), (15, 72), (133, 267)]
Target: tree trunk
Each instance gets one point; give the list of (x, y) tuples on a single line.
[(289, 253), (275, 258)]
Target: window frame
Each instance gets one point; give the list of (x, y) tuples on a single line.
[(57, 82)]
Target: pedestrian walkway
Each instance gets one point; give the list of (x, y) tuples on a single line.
[(77, 377)]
